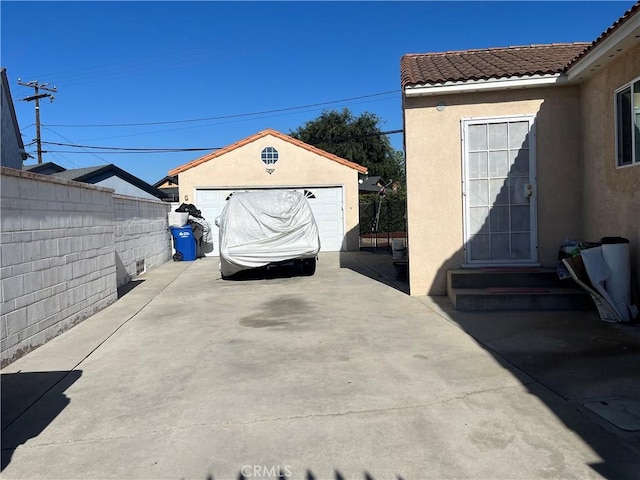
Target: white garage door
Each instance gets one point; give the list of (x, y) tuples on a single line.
[(326, 204)]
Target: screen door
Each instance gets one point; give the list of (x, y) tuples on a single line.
[(499, 191)]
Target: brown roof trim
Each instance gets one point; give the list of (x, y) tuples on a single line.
[(262, 134), (491, 49), (487, 63), (606, 34)]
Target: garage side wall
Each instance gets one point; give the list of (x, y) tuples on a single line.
[(296, 167), (611, 195), (434, 174)]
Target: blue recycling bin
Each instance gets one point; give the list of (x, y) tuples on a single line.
[(184, 243)]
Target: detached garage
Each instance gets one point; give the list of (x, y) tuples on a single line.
[(270, 159)]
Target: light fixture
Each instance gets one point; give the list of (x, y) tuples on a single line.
[(440, 107)]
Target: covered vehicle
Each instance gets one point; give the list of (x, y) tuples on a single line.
[(267, 227)]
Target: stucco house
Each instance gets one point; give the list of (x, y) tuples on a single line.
[(13, 153), (512, 150), (270, 159)]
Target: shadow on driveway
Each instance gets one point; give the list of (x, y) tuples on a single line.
[(127, 287), (574, 356), (586, 371), (282, 473), (21, 392), (377, 265)]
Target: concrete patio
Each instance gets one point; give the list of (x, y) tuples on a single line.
[(339, 376)]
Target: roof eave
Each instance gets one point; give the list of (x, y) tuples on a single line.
[(124, 175), (607, 50), (485, 85), (12, 113), (257, 136)]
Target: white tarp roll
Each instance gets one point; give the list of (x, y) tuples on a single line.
[(615, 252), (598, 273), (267, 226)]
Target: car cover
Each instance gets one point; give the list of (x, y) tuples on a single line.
[(258, 228)]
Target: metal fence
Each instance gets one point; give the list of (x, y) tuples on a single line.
[(382, 219)]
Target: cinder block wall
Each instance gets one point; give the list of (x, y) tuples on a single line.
[(141, 235), (58, 253)]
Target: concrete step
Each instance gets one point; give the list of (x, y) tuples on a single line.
[(514, 288), (520, 298), (506, 276)]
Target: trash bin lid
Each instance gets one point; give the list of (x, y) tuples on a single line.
[(609, 240)]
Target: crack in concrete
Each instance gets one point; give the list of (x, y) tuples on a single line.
[(272, 419)]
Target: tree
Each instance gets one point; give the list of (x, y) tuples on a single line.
[(358, 139)]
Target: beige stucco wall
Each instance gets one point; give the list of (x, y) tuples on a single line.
[(296, 167), (434, 174), (611, 204)]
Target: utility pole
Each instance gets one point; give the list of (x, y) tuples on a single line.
[(37, 96)]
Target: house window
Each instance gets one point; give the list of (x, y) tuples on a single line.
[(269, 155), (628, 124)]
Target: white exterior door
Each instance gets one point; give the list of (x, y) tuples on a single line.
[(326, 204), (499, 188)]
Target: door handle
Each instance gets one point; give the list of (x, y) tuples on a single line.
[(528, 190)]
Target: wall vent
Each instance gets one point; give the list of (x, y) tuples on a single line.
[(140, 267)]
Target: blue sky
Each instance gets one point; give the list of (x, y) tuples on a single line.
[(150, 62)]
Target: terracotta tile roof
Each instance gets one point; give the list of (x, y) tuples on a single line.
[(607, 33), (456, 66), (264, 133)]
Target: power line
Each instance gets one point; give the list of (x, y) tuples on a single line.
[(222, 117), (132, 149), (118, 152), (105, 150), (68, 140)]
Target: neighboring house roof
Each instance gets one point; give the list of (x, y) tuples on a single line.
[(262, 134), (98, 173), (484, 64), (173, 180), (521, 62), (12, 113), (47, 168), (172, 194), (371, 184), (169, 185)]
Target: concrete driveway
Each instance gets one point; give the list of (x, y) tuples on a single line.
[(335, 376)]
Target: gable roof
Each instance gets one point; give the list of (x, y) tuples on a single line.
[(512, 62), (262, 134), (484, 64), (46, 168), (88, 174), (173, 179)]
